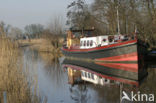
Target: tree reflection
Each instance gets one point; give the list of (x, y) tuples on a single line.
[(52, 68), (79, 93), (148, 85), (109, 94)]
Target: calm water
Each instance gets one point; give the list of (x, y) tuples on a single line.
[(53, 85)]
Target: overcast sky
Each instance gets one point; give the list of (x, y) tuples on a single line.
[(19, 13)]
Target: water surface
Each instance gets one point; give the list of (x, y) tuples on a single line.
[(53, 84)]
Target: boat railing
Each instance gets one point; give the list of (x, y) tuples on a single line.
[(93, 44)]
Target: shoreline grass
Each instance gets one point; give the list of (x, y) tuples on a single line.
[(13, 80)]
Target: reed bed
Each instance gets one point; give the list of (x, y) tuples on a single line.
[(13, 81)]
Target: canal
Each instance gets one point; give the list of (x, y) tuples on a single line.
[(53, 85)]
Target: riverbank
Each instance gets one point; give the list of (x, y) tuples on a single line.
[(41, 45), (13, 81)]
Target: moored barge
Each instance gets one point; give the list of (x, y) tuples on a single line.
[(125, 73), (110, 48)]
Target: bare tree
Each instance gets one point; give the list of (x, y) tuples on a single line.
[(78, 14), (4, 28), (15, 33), (34, 30), (56, 25)]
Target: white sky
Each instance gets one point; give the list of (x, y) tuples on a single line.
[(19, 13)]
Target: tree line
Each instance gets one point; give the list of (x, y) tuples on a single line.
[(52, 30), (133, 15)]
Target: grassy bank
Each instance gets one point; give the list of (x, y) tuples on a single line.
[(12, 79), (42, 45)]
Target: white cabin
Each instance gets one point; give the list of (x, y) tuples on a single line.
[(92, 42), (93, 78)]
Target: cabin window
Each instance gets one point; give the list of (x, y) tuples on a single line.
[(81, 43), (85, 74), (92, 76), (87, 42), (104, 40), (82, 74), (88, 75), (110, 40), (91, 43), (84, 44)]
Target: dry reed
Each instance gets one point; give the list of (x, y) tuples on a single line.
[(12, 78)]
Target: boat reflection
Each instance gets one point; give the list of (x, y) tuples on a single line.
[(102, 73)]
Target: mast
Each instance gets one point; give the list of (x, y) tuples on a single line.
[(118, 18)]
